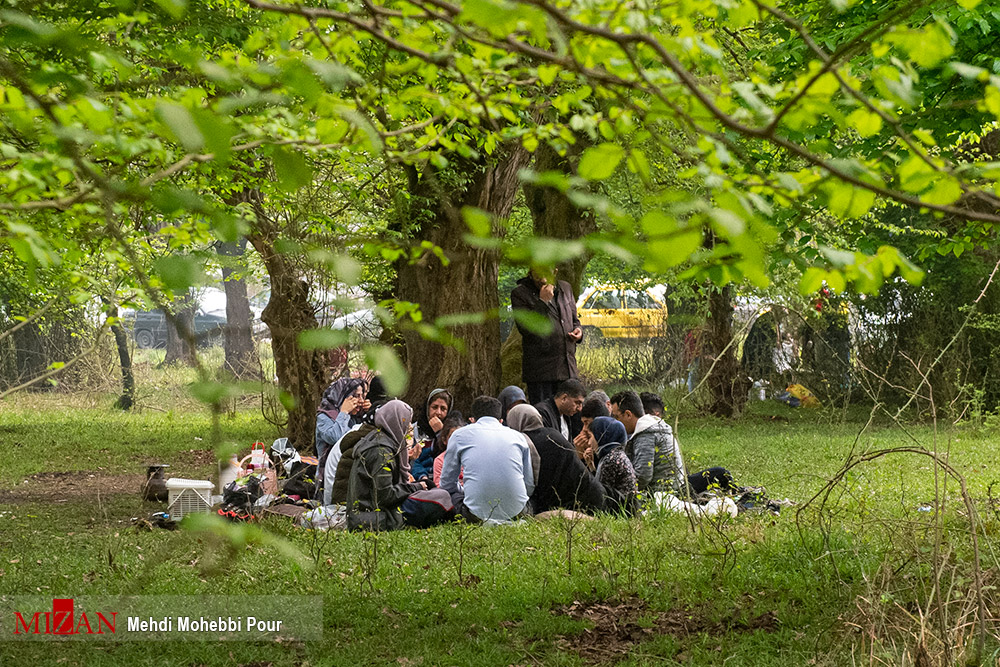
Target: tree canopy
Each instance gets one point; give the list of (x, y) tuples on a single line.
[(387, 143)]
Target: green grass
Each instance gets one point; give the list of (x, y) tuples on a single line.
[(408, 605)]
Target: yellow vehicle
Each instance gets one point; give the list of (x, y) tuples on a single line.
[(608, 311)]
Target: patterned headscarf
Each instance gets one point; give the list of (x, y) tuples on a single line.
[(335, 394)]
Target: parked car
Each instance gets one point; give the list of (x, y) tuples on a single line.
[(608, 311), (149, 327)]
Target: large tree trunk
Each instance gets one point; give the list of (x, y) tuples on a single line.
[(468, 284), (241, 352), (554, 215), (180, 332), (727, 382), (302, 374)]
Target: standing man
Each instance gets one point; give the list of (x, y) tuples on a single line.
[(546, 361)]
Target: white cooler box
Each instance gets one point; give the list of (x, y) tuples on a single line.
[(188, 496)]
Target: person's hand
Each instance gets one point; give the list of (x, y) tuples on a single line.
[(435, 423), (414, 450), (365, 406), (547, 292), (349, 405), (582, 443), (588, 457), (576, 334)]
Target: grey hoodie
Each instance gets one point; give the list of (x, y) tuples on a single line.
[(655, 455)]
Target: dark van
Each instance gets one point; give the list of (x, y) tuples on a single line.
[(149, 328)]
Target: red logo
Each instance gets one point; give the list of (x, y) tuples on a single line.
[(62, 621)]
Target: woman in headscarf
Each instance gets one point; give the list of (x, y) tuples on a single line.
[(332, 475), (563, 480), (425, 430), (614, 470), (377, 485), (340, 410), (509, 397)]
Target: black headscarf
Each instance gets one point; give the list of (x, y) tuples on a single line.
[(423, 421)]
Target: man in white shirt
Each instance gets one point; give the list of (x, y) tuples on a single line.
[(495, 463)]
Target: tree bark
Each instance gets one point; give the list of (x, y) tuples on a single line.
[(127, 399), (302, 374), (554, 215), (468, 284), (241, 352), (727, 382), (180, 332)]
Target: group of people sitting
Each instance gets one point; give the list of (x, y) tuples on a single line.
[(576, 451)]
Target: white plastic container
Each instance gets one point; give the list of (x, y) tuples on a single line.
[(228, 474), (188, 496)]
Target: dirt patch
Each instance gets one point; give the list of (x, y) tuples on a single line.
[(619, 625), (196, 457), (71, 485)]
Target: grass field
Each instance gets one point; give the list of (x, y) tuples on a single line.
[(858, 581)]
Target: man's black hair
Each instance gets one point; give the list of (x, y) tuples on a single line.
[(571, 387), (652, 403), (594, 408), (486, 406), (628, 400)]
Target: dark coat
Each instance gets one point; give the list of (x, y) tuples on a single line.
[(550, 418), (339, 492), (563, 480), (549, 358), (376, 488)]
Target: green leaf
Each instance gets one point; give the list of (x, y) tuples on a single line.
[(846, 201), (865, 122), (812, 280), (926, 47), (181, 125), (292, 169), (478, 221), (210, 391), (946, 191), (176, 8), (665, 253), (638, 164), (384, 360), (533, 322), (322, 339), (178, 272), (599, 162), (547, 74)]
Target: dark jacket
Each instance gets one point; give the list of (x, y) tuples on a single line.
[(376, 488), (339, 492), (549, 358), (563, 479), (550, 418)]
